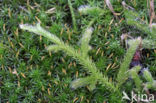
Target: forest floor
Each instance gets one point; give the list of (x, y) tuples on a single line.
[(30, 74)]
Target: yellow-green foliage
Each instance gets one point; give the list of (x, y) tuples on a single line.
[(79, 56), (151, 83), (134, 19), (123, 74), (134, 74)]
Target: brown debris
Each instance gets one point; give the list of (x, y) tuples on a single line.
[(152, 13), (108, 3), (127, 6)]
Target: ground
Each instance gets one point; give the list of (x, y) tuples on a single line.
[(29, 73)]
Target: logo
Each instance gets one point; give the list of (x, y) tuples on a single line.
[(138, 97)]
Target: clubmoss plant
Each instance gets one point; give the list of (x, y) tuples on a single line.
[(81, 56), (134, 19), (151, 83), (30, 73), (123, 71), (73, 15), (149, 42), (134, 74)]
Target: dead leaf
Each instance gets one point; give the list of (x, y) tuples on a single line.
[(108, 3), (152, 13), (50, 11), (15, 72), (127, 6)]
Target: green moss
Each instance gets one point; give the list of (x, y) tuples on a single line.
[(44, 80)]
